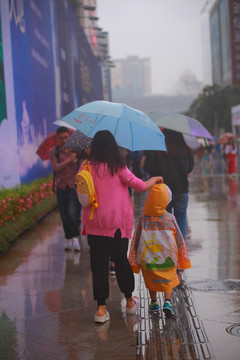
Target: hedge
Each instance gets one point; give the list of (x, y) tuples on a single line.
[(22, 206)]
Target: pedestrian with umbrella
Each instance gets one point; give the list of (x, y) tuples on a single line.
[(110, 229), (65, 166), (231, 155), (174, 166)]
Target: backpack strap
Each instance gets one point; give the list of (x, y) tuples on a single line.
[(87, 167)]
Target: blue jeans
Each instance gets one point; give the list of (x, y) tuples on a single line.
[(70, 210), (178, 206)]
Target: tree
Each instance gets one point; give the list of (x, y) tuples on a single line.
[(213, 107)]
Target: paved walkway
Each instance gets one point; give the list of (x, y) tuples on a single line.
[(47, 309), (166, 338)]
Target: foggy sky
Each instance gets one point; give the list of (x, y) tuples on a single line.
[(166, 31)]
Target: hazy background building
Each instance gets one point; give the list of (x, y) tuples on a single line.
[(131, 78), (188, 84)]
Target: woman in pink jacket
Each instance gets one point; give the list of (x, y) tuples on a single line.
[(109, 231)]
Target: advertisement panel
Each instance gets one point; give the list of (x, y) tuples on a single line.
[(33, 82), (53, 71), (235, 112), (9, 168), (3, 107)]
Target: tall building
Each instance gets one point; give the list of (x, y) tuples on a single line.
[(86, 11), (225, 42), (131, 77)]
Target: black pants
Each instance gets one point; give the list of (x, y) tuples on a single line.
[(69, 209), (101, 248)]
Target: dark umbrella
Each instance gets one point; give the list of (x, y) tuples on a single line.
[(78, 141)]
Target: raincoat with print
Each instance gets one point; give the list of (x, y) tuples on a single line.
[(158, 247)]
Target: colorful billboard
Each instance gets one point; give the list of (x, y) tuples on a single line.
[(9, 162), (3, 107), (54, 71)]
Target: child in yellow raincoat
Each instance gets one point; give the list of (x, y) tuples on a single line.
[(158, 248)]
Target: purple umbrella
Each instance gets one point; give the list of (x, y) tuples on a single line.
[(181, 123)]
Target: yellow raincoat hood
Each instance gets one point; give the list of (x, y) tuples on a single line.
[(157, 200)]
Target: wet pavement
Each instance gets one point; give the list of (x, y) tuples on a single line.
[(47, 310)]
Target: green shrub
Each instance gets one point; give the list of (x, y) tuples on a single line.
[(22, 206)]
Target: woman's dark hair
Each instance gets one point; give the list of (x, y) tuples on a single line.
[(175, 142), (105, 149), (229, 142)]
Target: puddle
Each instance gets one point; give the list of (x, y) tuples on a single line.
[(210, 285), (234, 329)]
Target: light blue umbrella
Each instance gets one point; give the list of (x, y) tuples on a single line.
[(131, 128)]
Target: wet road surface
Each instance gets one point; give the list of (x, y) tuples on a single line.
[(47, 310), (214, 245)]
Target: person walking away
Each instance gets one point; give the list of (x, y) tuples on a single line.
[(231, 155), (65, 166), (109, 230), (137, 159), (158, 248), (174, 166)]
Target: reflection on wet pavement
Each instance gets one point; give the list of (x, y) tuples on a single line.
[(214, 285), (214, 222), (213, 242), (182, 337), (46, 302)]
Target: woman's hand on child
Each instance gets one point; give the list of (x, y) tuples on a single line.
[(152, 181), (159, 179)]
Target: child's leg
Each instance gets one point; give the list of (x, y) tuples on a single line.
[(153, 295), (168, 295)]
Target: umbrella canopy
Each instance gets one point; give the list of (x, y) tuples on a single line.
[(191, 142), (225, 137), (63, 123), (47, 144), (181, 123), (77, 141), (131, 128)]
